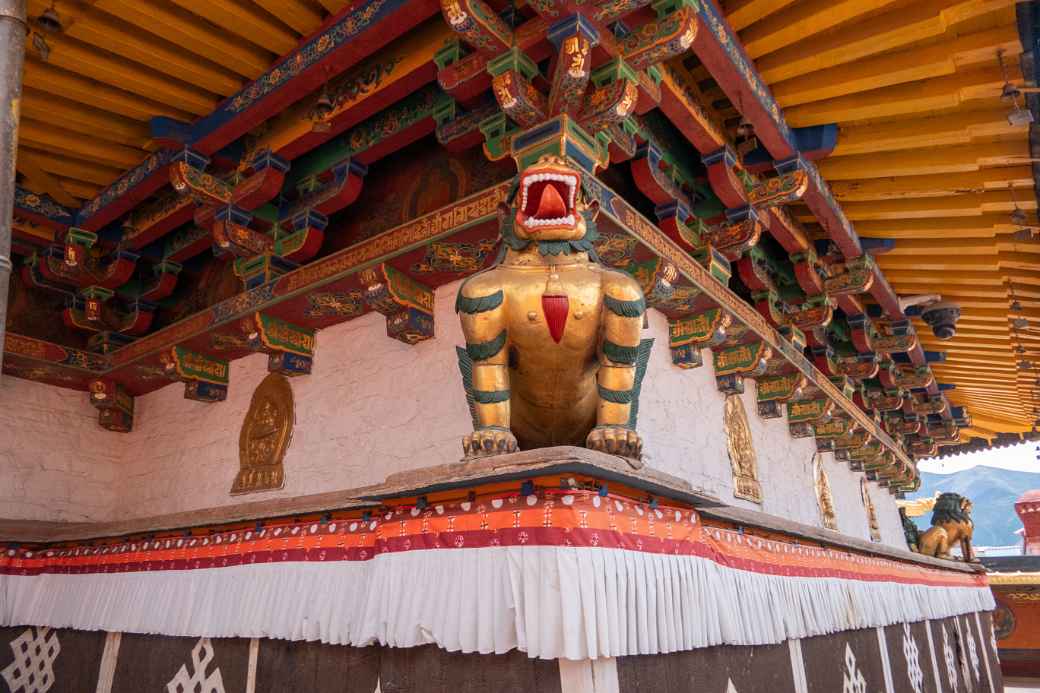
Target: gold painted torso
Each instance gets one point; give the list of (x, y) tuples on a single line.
[(554, 385)]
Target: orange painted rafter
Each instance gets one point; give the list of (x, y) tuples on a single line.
[(803, 20), (958, 374), (68, 115), (78, 188), (244, 21), (967, 277), (744, 13), (982, 397), (961, 126), (71, 168), (941, 263), (936, 185), (893, 68), (999, 316), (41, 233), (299, 15), (56, 140), (98, 30), (985, 226), (990, 298), (40, 181), (921, 97), (980, 326), (1013, 425), (66, 84), (942, 246), (333, 6), (927, 161), (191, 33), (129, 76), (900, 27), (965, 205)]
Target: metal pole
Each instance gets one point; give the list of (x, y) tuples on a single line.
[(12, 54)]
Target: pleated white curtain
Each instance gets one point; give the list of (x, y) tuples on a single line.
[(548, 601)]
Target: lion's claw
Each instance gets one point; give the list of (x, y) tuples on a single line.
[(485, 442), (617, 440)]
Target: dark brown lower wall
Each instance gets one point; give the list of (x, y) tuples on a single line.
[(955, 652), (899, 659)]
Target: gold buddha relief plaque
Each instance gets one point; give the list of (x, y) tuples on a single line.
[(868, 505), (265, 437), (741, 451), (823, 493)]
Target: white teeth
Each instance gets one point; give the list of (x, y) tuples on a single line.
[(558, 221), (572, 186)]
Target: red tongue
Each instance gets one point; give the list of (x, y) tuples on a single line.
[(555, 309), (550, 204)]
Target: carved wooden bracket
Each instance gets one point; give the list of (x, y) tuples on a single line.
[(205, 378), (114, 404), (407, 304)]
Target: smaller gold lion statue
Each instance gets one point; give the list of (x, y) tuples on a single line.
[(951, 524)]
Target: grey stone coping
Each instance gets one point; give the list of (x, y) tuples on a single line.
[(515, 466)]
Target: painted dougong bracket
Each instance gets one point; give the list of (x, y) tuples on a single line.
[(205, 378), (407, 304), (733, 364), (290, 348), (774, 390), (223, 206), (114, 404), (687, 336)]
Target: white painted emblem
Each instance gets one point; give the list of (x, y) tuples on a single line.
[(913, 661), (973, 654), (32, 670), (196, 680), (950, 657), (853, 681)]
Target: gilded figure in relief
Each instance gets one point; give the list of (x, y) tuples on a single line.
[(823, 493), (868, 505), (265, 436), (741, 450), (553, 353)]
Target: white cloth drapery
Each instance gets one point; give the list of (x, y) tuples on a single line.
[(548, 601)]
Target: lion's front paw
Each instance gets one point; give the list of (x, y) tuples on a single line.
[(617, 440), (489, 441)]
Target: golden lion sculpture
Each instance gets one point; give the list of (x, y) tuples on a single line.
[(553, 354), (951, 524)]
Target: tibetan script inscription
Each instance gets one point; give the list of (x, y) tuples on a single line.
[(265, 436)]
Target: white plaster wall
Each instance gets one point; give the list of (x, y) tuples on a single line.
[(681, 420), (374, 406), (56, 463)]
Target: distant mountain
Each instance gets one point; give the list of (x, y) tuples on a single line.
[(992, 491)]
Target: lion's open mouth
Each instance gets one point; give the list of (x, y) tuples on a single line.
[(547, 199)]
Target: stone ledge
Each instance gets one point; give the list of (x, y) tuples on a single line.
[(467, 473), (563, 459), (797, 530)]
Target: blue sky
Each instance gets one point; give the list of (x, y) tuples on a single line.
[(1021, 458)]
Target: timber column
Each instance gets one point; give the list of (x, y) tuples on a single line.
[(12, 45)]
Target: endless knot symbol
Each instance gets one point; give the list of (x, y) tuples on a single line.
[(913, 662), (853, 678), (950, 657), (197, 681), (34, 654), (973, 654)]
